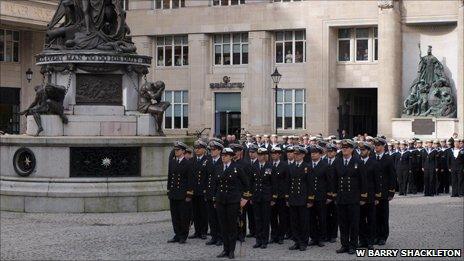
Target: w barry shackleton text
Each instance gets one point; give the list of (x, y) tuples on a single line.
[(408, 252)]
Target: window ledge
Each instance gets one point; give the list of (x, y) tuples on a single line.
[(233, 65), (170, 67), (358, 63)]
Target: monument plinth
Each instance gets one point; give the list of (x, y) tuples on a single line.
[(94, 141)]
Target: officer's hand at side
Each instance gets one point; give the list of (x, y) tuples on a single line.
[(188, 199), (309, 205), (272, 203), (376, 202), (328, 201), (243, 202), (362, 202), (286, 203), (251, 202)]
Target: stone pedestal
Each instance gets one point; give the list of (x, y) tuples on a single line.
[(146, 125), (52, 126), (424, 128)]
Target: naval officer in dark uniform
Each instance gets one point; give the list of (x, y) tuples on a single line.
[(201, 166), (279, 211), (180, 192), (232, 193)]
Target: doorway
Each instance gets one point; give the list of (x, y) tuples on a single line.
[(9, 110), (357, 111), (227, 114)]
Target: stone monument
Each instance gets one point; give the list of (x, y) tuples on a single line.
[(94, 138), (430, 109)]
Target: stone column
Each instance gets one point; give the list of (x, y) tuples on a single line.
[(460, 76), (258, 105), (390, 65), (200, 99)]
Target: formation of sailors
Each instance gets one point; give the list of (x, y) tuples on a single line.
[(303, 188)]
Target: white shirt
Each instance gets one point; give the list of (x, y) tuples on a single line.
[(456, 152), (346, 161), (315, 163), (253, 161), (226, 166), (290, 162), (298, 163), (180, 159), (379, 155), (365, 159), (276, 163), (330, 160)]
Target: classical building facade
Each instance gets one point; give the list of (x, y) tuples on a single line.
[(344, 64)]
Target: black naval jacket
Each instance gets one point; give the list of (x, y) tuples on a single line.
[(281, 176), (387, 176), (457, 164), (416, 159), (445, 159), (210, 180), (369, 171), (180, 179), (350, 184), (231, 185), (404, 162), (319, 184), (298, 186), (200, 174), (262, 183), (430, 160)]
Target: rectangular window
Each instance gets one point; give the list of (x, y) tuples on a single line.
[(376, 45), (176, 115), (9, 45), (230, 49), (290, 46), (169, 4), (360, 43), (280, 1), (125, 5), (228, 2), (172, 50), (344, 44), (291, 106)]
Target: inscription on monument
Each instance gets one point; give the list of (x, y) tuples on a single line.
[(423, 126), (99, 89), (105, 162)]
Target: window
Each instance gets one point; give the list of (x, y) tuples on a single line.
[(9, 46), (291, 106), (279, 1), (169, 4), (172, 50), (357, 44), (228, 2), (231, 49), (376, 44), (125, 5), (290, 46), (176, 115)]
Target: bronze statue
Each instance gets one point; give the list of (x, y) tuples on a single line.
[(150, 102), (48, 100), (430, 93), (90, 24)]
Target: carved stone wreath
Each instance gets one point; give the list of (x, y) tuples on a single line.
[(385, 4)]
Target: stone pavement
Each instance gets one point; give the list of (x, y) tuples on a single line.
[(415, 222)]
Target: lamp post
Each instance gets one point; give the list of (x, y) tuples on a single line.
[(276, 79), (29, 75)]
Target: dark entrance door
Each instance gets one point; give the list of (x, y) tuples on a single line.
[(9, 109), (358, 111), (227, 114)]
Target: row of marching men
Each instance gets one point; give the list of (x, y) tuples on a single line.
[(299, 194)]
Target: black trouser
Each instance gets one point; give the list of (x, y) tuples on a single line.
[(251, 220), (429, 182), (262, 211), (317, 221), (279, 219), (412, 186), (443, 178), (180, 217), (419, 178), (332, 220), (228, 215), (403, 180), (382, 212), (348, 219), (200, 215), (247, 211), (461, 182), (213, 221), (367, 224), (288, 232), (299, 222)]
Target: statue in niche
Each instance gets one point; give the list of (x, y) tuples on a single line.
[(430, 93), (89, 25), (150, 102), (48, 100)]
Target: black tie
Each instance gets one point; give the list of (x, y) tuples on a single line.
[(214, 162), (346, 162), (314, 165), (275, 164), (378, 157)]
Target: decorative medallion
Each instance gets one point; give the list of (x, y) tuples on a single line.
[(24, 162), (385, 4)]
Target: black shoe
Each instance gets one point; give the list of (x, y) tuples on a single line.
[(193, 236), (223, 254), (333, 240), (264, 246), (401, 194), (250, 235), (202, 237), (302, 248), (257, 245), (342, 250), (173, 240), (294, 247), (182, 241), (312, 243), (211, 242), (381, 242), (320, 244), (370, 247), (287, 237), (219, 243), (231, 255), (280, 242), (351, 251)]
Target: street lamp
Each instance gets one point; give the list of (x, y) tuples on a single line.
[(29, 75), (276, 79)]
